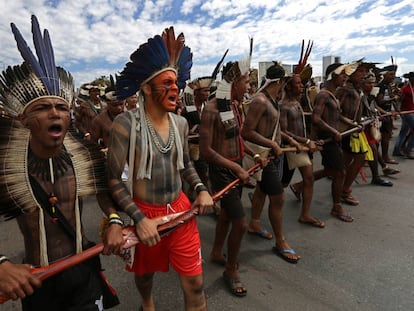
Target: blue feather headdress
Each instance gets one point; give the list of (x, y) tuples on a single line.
[(158, 54), (38, 76)]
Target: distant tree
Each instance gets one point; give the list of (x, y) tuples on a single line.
[(102, 80)]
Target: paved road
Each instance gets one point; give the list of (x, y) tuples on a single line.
[(364, 265)]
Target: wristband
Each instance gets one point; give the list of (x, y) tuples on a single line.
[(114, 215), (200, 187), (117, 221), (3, 259), (137, 217), (256, 156)]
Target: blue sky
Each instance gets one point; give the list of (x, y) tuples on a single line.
[(94, 38)]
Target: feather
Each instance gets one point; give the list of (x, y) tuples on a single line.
[(184, 65), (157, 53), (174, 46), (53, 73), (66, 84), (251, 47), (218, 66), (304, 55), (41, 51), (301, 51), (26, 53)]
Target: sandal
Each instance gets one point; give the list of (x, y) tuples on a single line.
[(382, 182), (281, 252), (314, 223), (235, 286), (342, 216), (350, 200), (262, 233), (390, 171)]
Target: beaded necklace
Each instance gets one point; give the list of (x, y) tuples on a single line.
[(155, 139)]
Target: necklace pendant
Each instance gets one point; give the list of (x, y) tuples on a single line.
[(53, 199)]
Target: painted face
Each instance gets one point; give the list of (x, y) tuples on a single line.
[(48, 120), (164, 90), (240, 87)]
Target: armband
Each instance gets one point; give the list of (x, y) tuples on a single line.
[(3, 259)]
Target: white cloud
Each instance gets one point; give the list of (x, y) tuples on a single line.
[(101, 34)]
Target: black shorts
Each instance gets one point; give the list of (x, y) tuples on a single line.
[(332, 156), (231, 202), (75, 289), (271, 183), (386, 125)]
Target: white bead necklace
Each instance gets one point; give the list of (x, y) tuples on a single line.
[(154, 136)]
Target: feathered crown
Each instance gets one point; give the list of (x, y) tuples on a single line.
[(158, 54), (302, 68), (233, 70), (85, 89), (201, 83), (20, 85), (353, 66), (110, 93), (392, 67)]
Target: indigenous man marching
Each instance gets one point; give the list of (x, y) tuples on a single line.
[(45, 172), (153, 141)]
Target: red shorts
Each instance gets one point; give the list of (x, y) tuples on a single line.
[(181, 248), (371, 140)]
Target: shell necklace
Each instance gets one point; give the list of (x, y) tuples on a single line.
[(156, 140)]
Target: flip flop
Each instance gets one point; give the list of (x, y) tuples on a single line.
[(314, 223), (262, 233), (382, 182), (295, 192), (282, 251), (342, 216), (350, 200), (235, 286)]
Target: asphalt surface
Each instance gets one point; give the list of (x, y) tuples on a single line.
[(364, 265)]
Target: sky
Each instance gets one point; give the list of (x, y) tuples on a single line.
[(95, 38)]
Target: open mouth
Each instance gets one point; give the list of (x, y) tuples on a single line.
[(172, 98), (55, 130)]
